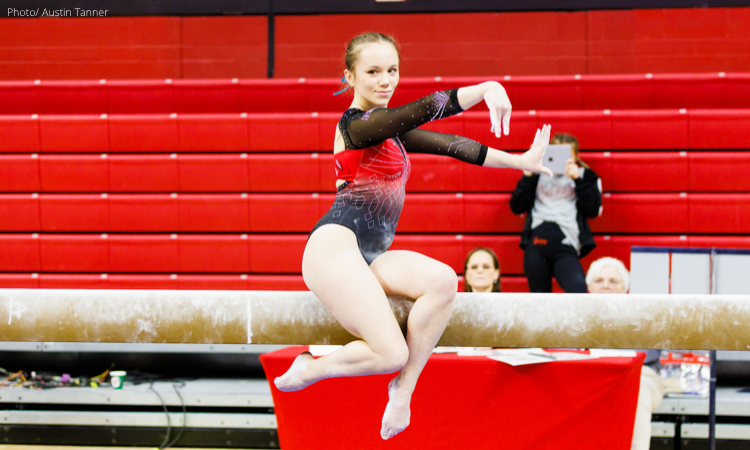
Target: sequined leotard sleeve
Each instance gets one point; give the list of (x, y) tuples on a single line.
[(363, 129), (459, 147), (375, 165)]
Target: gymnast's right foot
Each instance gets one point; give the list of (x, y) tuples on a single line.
[(293, 379), (397, 412)]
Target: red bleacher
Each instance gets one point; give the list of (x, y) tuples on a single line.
[(274, 253), (563, 92), (214, 184), (198, 253), (190, 282), (667, 171), (597, 130), (449, 213)]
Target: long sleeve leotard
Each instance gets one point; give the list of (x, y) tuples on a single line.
[(375, 165)]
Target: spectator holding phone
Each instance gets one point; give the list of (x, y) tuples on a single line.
[(556, 233)]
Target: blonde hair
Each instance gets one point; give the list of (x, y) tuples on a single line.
[(599, 264), (565, 138), (354, 47)]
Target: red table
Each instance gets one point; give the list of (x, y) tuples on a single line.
[(467, 402)]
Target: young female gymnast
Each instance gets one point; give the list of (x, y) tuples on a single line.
[(346, 264)]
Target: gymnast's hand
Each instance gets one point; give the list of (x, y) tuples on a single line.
[(499, 105), (531, 161)]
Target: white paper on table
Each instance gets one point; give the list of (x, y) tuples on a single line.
[(475, 351), (489, 351), (518, 357), (447, 349), (609, 353), (571, 356), (322, 350), (521, 359)]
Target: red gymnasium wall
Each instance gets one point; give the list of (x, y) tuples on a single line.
[(542, 43), (533, 43), (133, 47)]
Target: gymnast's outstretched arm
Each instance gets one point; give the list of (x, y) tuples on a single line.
[(472, 152), (378, 124)]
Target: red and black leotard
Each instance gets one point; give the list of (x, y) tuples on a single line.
[(375, 165)]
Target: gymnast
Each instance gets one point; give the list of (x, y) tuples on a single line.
[(346, 263)]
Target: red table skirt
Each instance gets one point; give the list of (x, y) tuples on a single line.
[(467, 402)]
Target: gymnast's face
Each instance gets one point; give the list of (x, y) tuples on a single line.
[(375, 75), (607, 281), (481, 272)]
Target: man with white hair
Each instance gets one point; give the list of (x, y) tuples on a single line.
[(609, 276)]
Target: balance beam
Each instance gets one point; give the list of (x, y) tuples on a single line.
[(274, 317)]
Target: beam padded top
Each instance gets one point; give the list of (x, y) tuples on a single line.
[(277, 317)]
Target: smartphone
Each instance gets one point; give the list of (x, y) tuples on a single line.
[(556, 156)]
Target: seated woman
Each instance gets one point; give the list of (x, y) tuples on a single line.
[(556, 233), (482, 271)]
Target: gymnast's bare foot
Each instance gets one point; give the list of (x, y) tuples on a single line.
[(397, 412), (293, 379)]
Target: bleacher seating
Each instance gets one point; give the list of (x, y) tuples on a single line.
[(562, 92), (656, 129), (189, 282), (178, 184), (666, 171), (272, 253), (449, 213), (150, 262)]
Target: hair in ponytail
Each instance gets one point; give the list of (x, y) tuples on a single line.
[(355, 47)]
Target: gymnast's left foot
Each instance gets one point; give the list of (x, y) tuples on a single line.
[(397, 412), (293, 379)]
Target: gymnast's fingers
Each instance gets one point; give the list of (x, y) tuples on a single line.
[(506, 121), (495, 128), (544, 139)]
